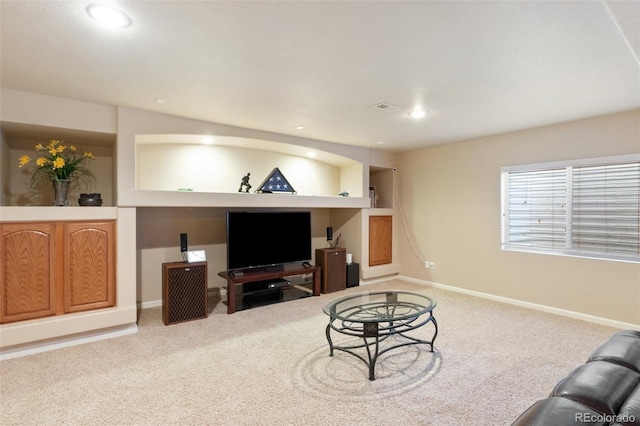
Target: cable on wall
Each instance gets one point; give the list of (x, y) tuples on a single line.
[(414, 249)]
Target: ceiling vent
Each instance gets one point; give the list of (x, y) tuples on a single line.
[(387, 107)]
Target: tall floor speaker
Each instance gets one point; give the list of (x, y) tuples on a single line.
[(184, 291), (333, 263)]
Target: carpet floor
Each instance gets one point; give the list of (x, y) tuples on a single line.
[(271, 366)]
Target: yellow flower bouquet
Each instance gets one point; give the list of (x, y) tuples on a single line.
[(57, 162)]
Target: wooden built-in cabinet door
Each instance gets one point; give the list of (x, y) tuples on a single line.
[(380, 237), (27, 271), (89, 266)]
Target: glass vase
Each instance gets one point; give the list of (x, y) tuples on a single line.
[(60, 188)]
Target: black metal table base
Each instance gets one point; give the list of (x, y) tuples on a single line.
[(373, 333)]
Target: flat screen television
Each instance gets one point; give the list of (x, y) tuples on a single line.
[(267, 239)]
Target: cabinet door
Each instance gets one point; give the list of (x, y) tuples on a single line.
[(89, 266), (380, 236), (27, 271)]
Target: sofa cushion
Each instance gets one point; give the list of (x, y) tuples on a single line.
[(630, 333), (630, 411), (622, 348), (601, 385), (559, 411)]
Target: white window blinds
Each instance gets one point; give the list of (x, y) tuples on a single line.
[(584, 208), (606, 202), (537, 211)]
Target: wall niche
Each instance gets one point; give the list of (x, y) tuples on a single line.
[(217, 164)]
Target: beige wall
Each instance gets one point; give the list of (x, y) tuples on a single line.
[(451, 198), (132, 122), (383, 183), (30, 108), (5, 172), (213, 168), (22, 194), (54, 117), (347, 223), (158, 232)]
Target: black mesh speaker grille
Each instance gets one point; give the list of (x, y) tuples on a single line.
[(186, 294)]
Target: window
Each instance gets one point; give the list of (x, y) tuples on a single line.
[(587, 208)]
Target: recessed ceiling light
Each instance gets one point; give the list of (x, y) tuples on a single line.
[(417, 113), (108, 16), (299, 127), (160, 100), (380, 143)]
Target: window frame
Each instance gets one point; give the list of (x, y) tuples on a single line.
[(567, 249)]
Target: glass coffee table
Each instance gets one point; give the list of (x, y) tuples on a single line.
[(375, 317)]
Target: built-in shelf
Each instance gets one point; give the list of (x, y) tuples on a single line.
[(381, 212), (146, 198), (51, 214)]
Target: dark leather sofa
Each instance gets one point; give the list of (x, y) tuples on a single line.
[(603, 391)]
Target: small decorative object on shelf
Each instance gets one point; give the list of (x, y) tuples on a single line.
[(60, 164), (90, 199), (60, 189), (343, 194), (244, 184), (276, 182), (373, 196)]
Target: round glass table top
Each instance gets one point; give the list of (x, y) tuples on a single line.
[(379, 306)]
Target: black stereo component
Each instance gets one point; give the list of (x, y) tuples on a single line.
[(183, 243), (353, 275)]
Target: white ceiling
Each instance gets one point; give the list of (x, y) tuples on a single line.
[(480, 68)]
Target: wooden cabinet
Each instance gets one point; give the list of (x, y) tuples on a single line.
[(55, 268), (380, 237), (333, 263), (89, 266), (27, 271)]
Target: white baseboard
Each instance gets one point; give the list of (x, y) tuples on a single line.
[(74, 340), (382, 279), (151, 304), (563, 312)]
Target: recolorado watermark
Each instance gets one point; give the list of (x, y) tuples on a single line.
[(604, 418)]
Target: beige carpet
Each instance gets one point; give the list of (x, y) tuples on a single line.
[(270, 366)]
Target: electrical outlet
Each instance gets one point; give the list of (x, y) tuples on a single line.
[(432, 265), (426, 264)]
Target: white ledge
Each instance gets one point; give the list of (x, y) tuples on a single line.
[(50, 213), (148, 198)]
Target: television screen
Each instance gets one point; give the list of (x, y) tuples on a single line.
[(262, 239)]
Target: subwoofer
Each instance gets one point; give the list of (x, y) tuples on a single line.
[(184, 292), (353, 274)]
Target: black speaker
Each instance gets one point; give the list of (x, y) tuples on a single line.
[(329, 233), (353, 275), (183, 243), (184, 292)]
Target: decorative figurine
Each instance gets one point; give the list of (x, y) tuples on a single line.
[(245, 183)]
